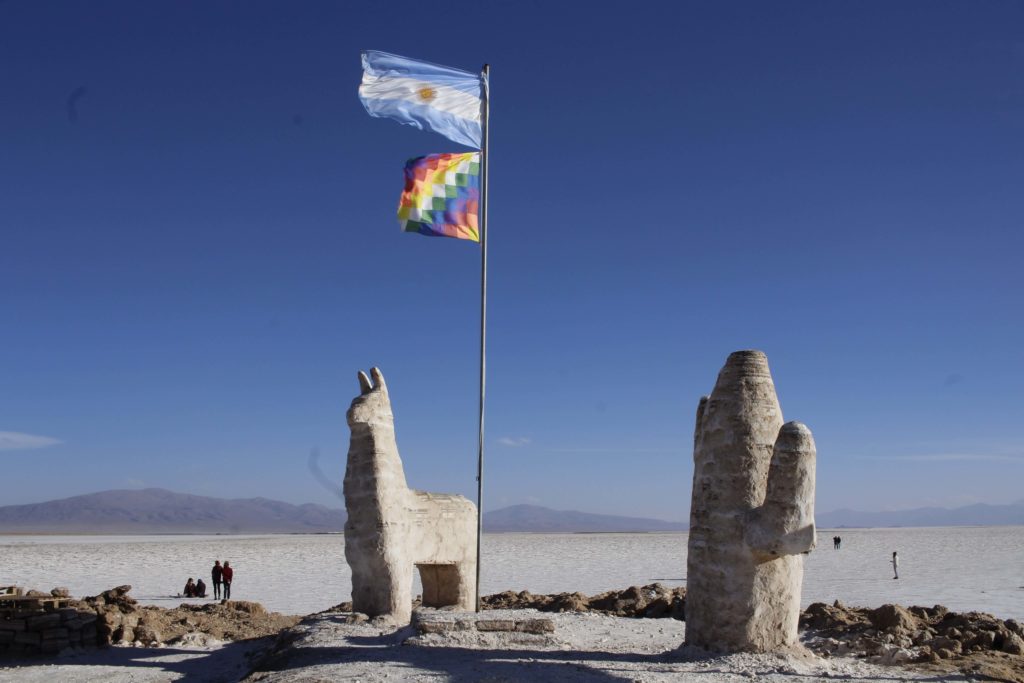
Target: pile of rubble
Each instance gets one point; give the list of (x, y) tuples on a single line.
[(122, 620), (115, 618), (653, 601), (972, 642)]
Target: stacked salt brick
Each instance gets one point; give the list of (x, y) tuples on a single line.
[(47, 632)]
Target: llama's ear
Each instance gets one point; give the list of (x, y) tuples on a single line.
[(364, 383), (378, 379)]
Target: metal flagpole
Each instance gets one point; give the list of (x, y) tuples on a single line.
[(484, 123)]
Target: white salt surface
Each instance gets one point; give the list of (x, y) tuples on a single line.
[(583, 648), (214, 664), (964, 568)]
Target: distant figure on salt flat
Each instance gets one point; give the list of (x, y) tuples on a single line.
[(217, 575), (836, 541), (895, 565), (839, 542), (227, 575), (200, 589), (190, 588)]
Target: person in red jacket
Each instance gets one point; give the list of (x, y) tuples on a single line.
[(227, 575)]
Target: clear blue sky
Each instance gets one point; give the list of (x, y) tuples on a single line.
[(198, 246)]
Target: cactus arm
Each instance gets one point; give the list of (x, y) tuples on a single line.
[(784, 524)]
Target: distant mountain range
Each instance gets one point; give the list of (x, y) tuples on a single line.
[(158, 511), (535, 518), (970, 515)]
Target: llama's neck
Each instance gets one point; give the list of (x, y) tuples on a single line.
[(374, 467)]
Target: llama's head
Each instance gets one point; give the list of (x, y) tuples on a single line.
[(372, 404)]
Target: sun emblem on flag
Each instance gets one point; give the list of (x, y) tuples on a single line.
[(426, 94)]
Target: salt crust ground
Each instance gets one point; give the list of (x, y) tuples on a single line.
[(206, 660), (584, 647)]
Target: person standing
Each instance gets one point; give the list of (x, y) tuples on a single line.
[(217, 575), (895, 565), (227, 575)]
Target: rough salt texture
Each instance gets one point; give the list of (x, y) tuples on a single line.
[(751, 516), (391, 527), (583, 647)]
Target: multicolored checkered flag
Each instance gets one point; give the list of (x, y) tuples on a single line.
[(442, 196)]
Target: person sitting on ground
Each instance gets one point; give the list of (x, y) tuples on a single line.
[(200, 589), (190, 588)]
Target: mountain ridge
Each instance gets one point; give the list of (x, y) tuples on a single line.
[(159, 511), (977, 514), (534, 518), (155, 510)]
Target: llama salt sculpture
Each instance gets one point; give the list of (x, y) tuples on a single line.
[(392, 528), (751, 516)]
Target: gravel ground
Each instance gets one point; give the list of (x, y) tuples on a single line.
[(330, 647), (202, 660), (584, 647)]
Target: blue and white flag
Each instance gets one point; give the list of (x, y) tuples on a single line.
[(421, 94)]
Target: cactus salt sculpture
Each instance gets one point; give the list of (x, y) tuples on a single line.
[(751, 517), (391, 527)]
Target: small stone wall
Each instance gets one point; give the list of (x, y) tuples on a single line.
[(49, 632), (435, 624), (498, 629), (38, 627)]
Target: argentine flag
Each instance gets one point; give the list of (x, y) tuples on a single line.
[(421, 94)]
